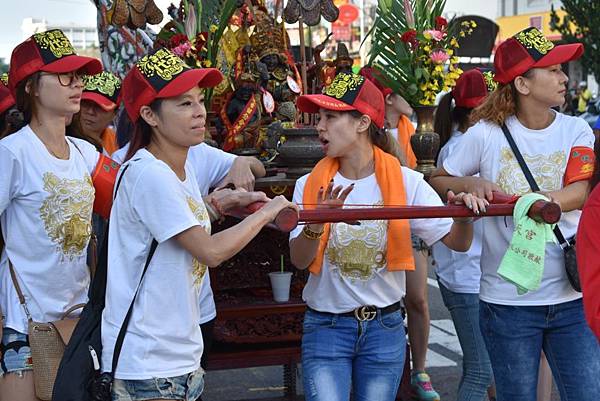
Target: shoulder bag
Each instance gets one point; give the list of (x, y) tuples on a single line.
[(79, 376)]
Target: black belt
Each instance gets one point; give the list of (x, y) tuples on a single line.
[(364, 313)]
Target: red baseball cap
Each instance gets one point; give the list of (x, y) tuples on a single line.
[(375, 76), (6, 99), (347, 92), (530, 49), (102, 89), (472, 87), (162, 74), (48, 51)]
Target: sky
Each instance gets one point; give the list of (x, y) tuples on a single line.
[(83, 12)]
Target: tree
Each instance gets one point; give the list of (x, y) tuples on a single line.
[(3, 66), (581, 24)]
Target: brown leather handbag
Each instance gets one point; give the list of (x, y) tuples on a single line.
[(47, 342)]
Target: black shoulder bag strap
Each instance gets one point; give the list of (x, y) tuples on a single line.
[(123, 330), (564, 244)]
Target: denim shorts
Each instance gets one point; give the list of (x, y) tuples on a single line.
[(187, 387), (16, 354), (418, 244)]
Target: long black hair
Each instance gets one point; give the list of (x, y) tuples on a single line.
[(142, 132), (446, 117)]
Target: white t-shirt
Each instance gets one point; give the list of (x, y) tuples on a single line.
[(211, 165), (458, 271), (354, 269), (163, 337), (393, 132), (485, 150), (46, 212), (119, 155)]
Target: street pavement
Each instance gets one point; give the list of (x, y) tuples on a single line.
[(443, 364)]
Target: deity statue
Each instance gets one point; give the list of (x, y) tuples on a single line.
[(240, 117), (269, 45), (343, 62)]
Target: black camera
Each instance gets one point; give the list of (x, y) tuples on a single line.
[(100, 387)]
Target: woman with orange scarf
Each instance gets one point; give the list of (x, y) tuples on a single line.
[(353, 329)]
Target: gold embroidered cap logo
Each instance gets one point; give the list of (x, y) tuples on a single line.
[(105, 83), (344, 83), (54, 41), (162, 63), (490, 82), (534, 39)]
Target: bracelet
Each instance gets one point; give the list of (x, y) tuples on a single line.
[(213, 215), (310, 234)]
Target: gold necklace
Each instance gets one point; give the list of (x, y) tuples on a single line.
[(64, 156)]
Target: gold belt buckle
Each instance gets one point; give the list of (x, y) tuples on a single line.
[(365, 313)]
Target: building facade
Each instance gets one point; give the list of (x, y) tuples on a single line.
[(83, 38)]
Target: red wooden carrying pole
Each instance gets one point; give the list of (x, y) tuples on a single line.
[(502, 205)]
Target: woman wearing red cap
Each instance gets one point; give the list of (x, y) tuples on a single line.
[(46, 201), (458, 273), (398, 124), (99, 103), (517, 323), (159, 220), (353, 329)]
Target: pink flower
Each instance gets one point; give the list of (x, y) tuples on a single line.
[(182, 49), (435, 34), (439, 56)]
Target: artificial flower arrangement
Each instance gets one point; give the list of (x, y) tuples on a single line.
[(413, 48), (195, 29)]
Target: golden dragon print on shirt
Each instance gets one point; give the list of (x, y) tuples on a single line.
[(201, 214), (67, 213), (357, 252), (547, 170)]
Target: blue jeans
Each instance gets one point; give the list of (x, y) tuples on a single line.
[(515, 337), (477, 370), (340, 352)]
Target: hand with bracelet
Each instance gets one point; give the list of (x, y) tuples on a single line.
[(327, 198)]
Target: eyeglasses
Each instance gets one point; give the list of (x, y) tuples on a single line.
[(67, 78)]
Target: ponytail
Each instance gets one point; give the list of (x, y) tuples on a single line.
[(446, 117), (443, 119)]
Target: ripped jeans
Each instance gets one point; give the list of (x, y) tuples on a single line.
[(340, 353)]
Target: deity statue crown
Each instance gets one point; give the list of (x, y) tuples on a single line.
[(267, 37)]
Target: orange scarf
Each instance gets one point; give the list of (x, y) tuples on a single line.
[(405, 131), (109, 141), (389, 178)]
